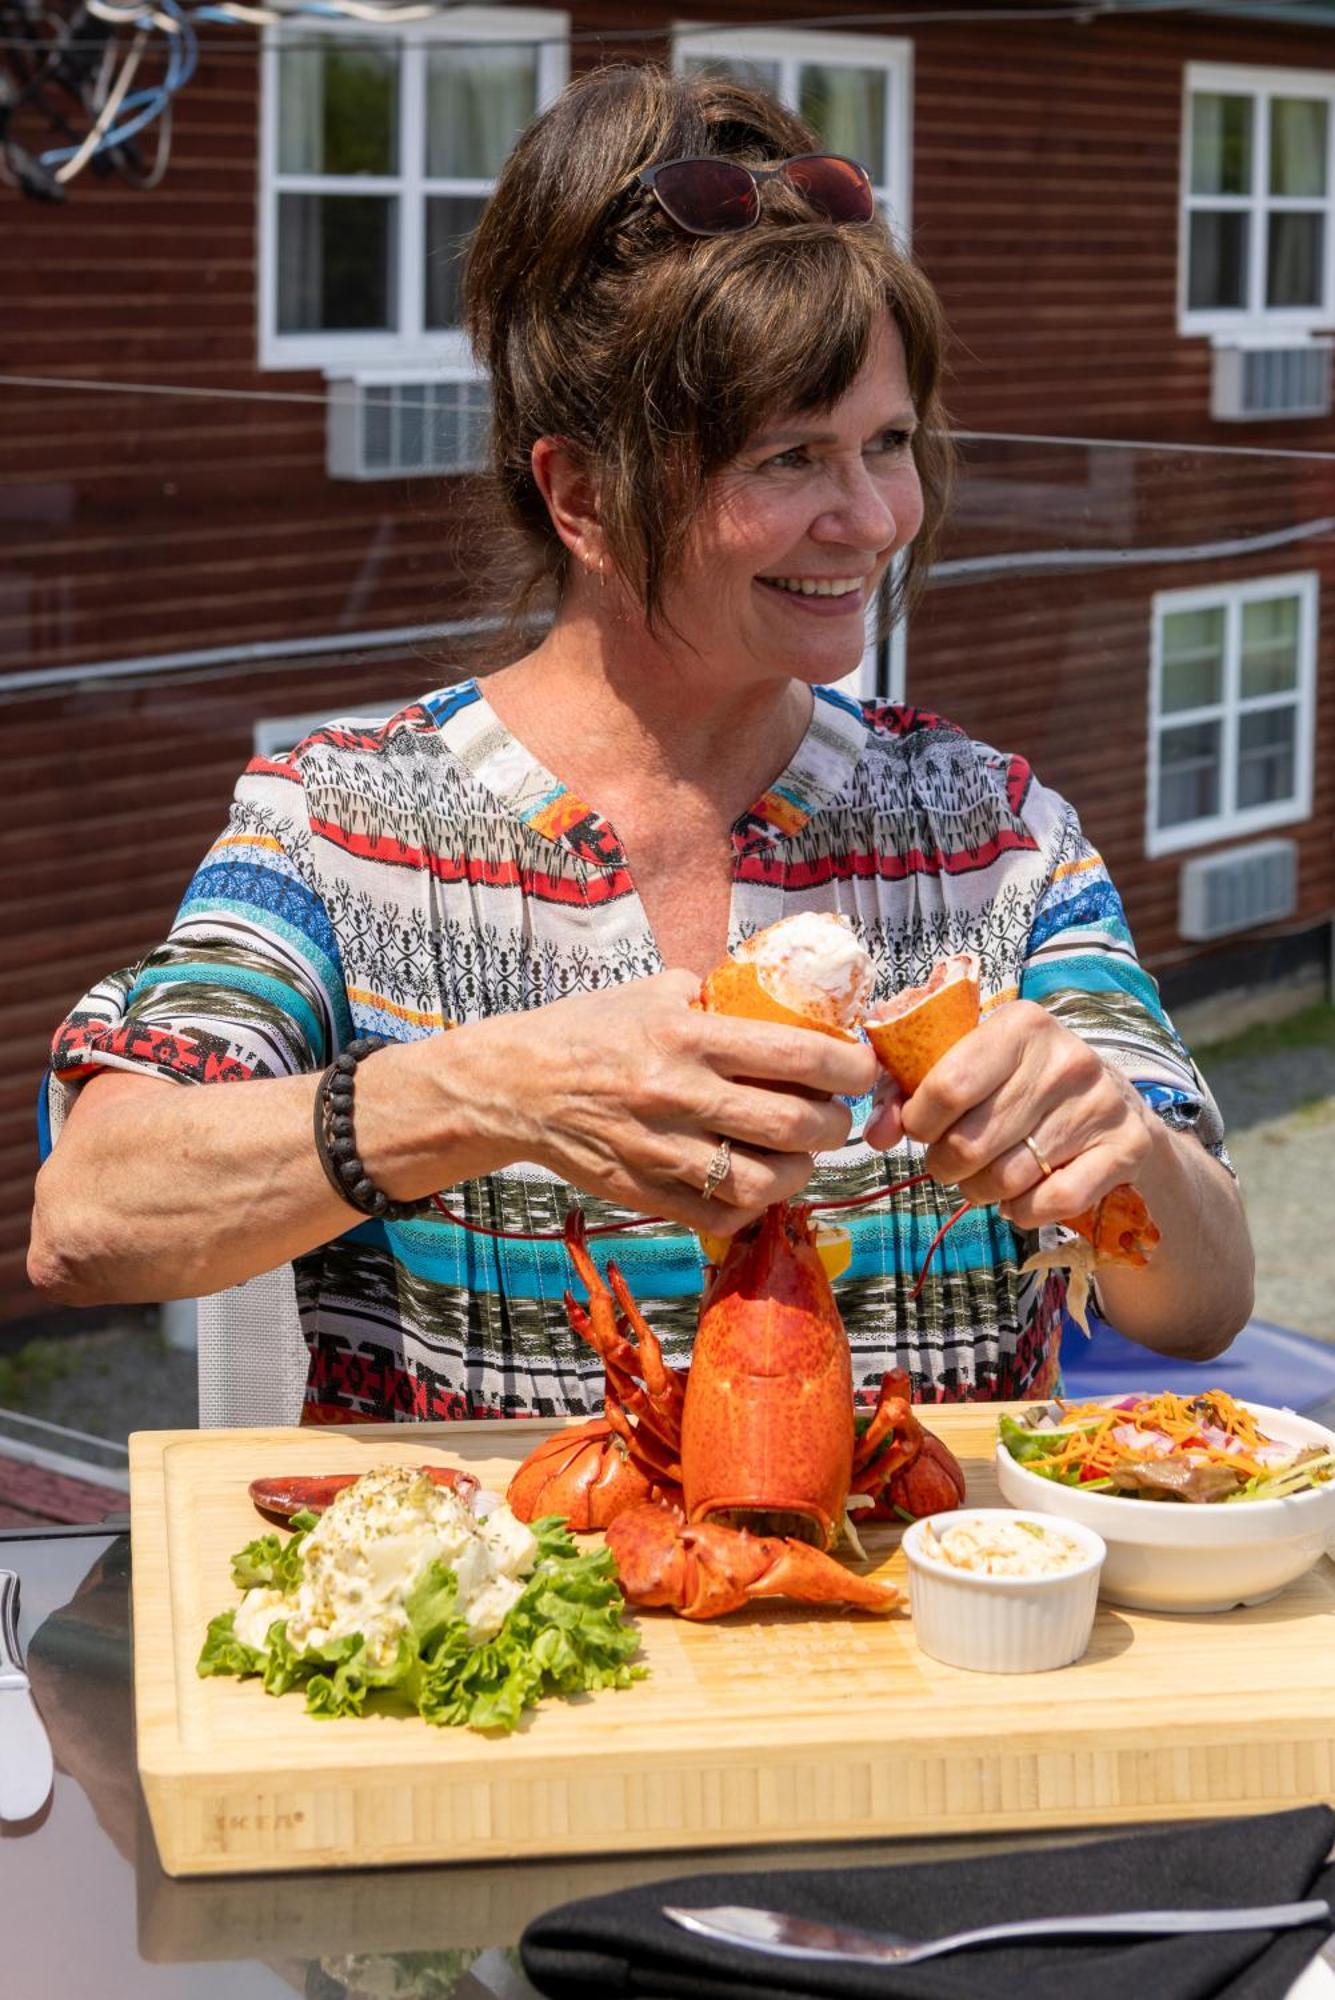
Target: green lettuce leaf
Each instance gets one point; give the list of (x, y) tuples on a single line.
[(271, 1562), (566, 1634), (224, 1653)]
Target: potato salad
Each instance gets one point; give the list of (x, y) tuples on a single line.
[(400, 1587)]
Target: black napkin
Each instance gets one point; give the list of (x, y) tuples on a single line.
[(622, 1944)]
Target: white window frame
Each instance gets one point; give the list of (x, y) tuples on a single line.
[(1230, 820), (413, 345), (1255, 318), (790, 48)]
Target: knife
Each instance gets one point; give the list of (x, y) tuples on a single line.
[(782, 1935), (26, 1769)]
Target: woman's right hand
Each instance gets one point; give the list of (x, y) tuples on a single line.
[(627, 1092)]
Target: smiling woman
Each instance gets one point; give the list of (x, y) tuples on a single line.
[(716, 431)]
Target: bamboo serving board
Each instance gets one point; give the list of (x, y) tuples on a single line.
[(775, 1725)]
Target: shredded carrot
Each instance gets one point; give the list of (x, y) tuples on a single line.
[(1090, 1450)]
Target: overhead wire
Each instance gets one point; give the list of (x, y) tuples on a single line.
[(1180, 447)]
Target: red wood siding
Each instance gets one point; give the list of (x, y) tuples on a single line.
[(1045, 207)]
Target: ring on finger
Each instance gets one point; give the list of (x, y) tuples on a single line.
[(1040, 1158), (718, 1169)]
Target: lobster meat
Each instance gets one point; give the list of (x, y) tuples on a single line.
[(280, 1497)]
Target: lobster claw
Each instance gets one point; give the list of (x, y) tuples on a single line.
[(586, 1473), (279, 1497), (932, 1484), (703, 1569)]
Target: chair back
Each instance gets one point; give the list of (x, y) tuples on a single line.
[(252, 1357)]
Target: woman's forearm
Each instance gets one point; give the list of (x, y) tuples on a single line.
[(1196, 1291), (159, 1190)]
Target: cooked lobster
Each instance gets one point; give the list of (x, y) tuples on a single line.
[(758, 1438)]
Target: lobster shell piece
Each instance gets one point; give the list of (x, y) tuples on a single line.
[(704, 1570), (736, 988), (586, 1474), (767, 1425), (913, 1031), (279, 1498)]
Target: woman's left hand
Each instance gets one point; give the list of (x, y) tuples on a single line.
[(1020, 1075)]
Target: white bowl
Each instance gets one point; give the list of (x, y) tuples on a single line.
[(1001, 1624), (1172, 1555)]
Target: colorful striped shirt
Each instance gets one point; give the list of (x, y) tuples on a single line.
[(399, 878)]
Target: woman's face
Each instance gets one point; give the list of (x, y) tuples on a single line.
[(797, 534)]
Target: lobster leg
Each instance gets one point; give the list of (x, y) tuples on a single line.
[(704, 1570)]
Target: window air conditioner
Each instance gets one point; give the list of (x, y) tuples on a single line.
[(1238, 890), (382, 426), (1255, 383)]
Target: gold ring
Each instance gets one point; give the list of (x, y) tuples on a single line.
[(1039, 1161), (718, 1170)]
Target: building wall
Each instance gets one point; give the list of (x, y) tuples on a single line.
[(1045, 208)]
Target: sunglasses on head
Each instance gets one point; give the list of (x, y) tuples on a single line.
[(715, 197)]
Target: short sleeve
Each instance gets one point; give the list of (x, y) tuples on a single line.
[(1081, 964), (248, 983)]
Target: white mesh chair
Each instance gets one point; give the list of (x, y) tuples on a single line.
[(252, 1358)]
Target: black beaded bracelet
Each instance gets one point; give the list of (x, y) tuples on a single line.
[(336, 1138)]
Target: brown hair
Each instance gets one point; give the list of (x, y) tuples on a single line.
[(657, 355)]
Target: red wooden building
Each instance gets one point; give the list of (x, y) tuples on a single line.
[(237, 423)]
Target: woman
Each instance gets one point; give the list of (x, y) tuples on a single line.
[(711, 479)]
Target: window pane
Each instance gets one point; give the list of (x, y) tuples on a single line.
[(759, 74), (1193, 660), (1266, 760), (847, 108), (338, 110), (337, 263), (478, 100), (1221, 144), (1298, 146), (1218, 259), (450, 220), (1269, 647), (1294, 263), (1189, 773)]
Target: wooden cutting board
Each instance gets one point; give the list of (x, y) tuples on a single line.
[(774, 1725)]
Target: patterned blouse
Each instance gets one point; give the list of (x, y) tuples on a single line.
[(396, 879)]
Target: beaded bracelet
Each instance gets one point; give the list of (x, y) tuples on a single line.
[(336, 1139)]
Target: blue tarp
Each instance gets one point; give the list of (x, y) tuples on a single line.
[(1265, 1364)]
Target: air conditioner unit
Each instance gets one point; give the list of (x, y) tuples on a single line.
[(1254, 382), (382, 426), (1239, 889)]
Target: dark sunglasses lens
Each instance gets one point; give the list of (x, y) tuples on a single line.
[(835, 188), (708, 197)]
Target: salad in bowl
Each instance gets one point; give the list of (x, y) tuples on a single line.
[(1205, 1502)]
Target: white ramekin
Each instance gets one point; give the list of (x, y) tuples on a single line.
[(1002, 1624)]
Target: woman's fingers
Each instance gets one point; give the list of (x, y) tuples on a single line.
[(1025, 1112), (767, 1052), (778, 1120)]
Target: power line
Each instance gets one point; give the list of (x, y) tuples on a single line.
[(1080, 12), (1166, 446)]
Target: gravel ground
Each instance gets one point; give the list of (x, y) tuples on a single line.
[(1279, 1108), (1280, 1114)]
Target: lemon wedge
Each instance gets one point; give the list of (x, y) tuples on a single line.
[(834, 1247)]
